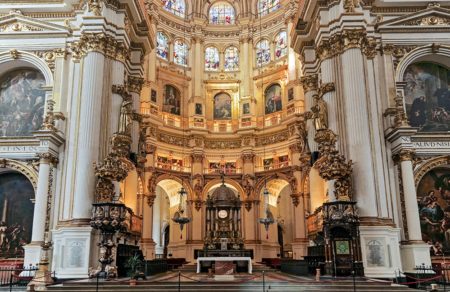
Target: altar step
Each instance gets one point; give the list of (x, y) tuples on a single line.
[(281, 286), (257, 267)]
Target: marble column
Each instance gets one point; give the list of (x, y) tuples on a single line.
[(414, 252), (245, 66), (156, 229), (40, 206), (358, 132), (117, 78), (410, 196), (198, 68), (88, 134), (33, 250), (147, 243), (328, 75)]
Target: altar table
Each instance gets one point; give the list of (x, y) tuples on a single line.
[(224, 259)]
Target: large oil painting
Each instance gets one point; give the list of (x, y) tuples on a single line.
[(22, 101), (172, 100), (433, 196), (222, 106), (273, 99), (16, 209), (427, 96)]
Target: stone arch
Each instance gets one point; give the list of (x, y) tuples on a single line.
[(233, 4), (428, 165), (292, 181), (22, 167), (184, 182), (216, 181), (423, 54), (21, 59)]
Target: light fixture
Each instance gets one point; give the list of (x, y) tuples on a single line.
[(180, 217)]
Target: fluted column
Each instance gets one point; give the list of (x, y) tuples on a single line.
[(358, 132), (88, 134), (117, 78), (156, 229), (410, 195)]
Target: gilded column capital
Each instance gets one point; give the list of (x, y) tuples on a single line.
[(339, 42), (248, 157), (405, 155), (135, 84), (100, 43), (197, 158), (150, 149), (309, 82), (150, 199), (47, 158), (296, 147)]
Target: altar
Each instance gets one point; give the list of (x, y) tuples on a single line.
[(225, 259)]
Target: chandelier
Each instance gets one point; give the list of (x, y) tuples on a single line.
[(180, 217), (268, 218)]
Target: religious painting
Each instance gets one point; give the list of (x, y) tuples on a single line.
[(342, 247), (162, 162), (222, 106), (153, 95), (283, 160), (230, 167), (375, 253), (291, 94), (433, 196), (273, 99), (172, 100), (215, 167), (22, 102), (268, 163), (198, 109), (246, 108), (427, 96), (16, 209)]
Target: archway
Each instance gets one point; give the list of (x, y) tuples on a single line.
[(16, 213), (168, 237)]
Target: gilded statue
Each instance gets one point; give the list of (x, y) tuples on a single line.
[(125, 120), (320, 113)]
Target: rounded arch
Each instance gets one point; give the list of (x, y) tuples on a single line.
[(260, 39), (215, 15), (20, 59), (216, 181), (423, 54), (183, 182), (291, 180), (264, 7), (180, 8), (27, 170), (428, 165)]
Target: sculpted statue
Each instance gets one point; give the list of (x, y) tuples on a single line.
[(320, 113), (126, 111)]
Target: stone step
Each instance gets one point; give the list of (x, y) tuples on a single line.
[(213, 286)]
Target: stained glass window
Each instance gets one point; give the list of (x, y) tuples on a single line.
[(221, 13), (267, 6), (180, 52), (162, 46), (211, 59), (177, 7), (281, 45), (262, 52), (231, 59)]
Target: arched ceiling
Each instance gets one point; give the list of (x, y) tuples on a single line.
[(275, 187), (171, 188)]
